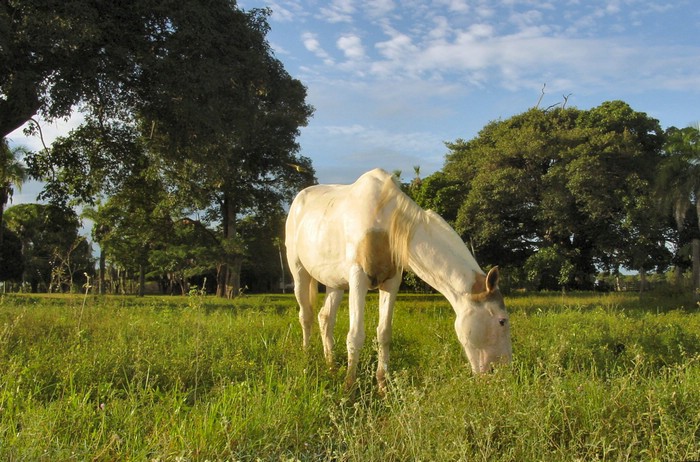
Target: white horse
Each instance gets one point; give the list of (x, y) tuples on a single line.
[(361, 236)]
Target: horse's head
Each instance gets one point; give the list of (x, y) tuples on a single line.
[(482, 325)]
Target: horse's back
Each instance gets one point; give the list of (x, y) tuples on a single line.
[(326, 223)]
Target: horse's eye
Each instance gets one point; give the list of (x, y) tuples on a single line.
[(502, 321)]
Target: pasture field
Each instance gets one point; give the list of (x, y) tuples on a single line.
[(595, 377)]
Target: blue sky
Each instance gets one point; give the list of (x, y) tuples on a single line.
[(392, 80)]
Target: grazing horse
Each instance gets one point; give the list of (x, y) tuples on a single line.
[(361, 236)]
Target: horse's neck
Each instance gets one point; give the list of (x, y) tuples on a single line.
[(449, 270)]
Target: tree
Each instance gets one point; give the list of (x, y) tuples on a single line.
[(216, 112), (12, 263), (678, 189), (12, 175), (93, 161), (261, 269), (56, 54), (631, 145), (567, 180), (189, 250), (240, 156), (50, 243), (133, 222)]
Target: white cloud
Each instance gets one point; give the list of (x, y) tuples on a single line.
[(477, 32), (351, 46), (398, 47), (338, 11), (482, 52), (379, 8), (287, 12), (441, 30), (526, 18), (460, 6), (311, 43)]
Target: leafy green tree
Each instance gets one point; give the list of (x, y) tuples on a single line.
[(52, 250), (501, 174), (189, 250), (261, 269), (215, 110), (56, 54), (11, 263), (571, 181), (440, 193), (92, 162), (13, 174), (133, 222), (253, 164), (678, 189)]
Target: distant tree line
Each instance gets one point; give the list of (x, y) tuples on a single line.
[(188, 154), (188, 147), (559, 195)]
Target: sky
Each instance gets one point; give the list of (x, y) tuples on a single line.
[(392, 80)]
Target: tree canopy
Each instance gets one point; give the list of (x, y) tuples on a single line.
[(187, 91), (54, 256), (556, 193), (189, 150)]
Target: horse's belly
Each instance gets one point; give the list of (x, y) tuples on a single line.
[(330, 278), (330, 269), (322, 252)]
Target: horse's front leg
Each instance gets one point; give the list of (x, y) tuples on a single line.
[(326, 321), (387, 297), (359, 284)]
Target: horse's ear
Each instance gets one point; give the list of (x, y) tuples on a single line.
[(492, 279)]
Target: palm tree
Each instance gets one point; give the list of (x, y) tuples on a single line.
[(12, 175), (679, 184)]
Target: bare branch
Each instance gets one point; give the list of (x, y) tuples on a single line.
[(41, 134), (566, 100), (541, 96)]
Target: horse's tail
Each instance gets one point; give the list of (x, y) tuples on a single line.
[(403, 218)]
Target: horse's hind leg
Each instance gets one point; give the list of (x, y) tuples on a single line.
[(326, 321), (387, 297), (305, 289)]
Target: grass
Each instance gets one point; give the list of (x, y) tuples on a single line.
[(595, 377)]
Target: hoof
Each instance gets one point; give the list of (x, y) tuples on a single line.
[(350, 384), (382, 384)]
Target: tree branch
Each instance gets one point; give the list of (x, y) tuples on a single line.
[(541, 96)]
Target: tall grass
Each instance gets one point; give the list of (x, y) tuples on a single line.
[(613, 377)]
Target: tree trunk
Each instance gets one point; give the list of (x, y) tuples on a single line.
[(142, 280), (696, 269), (4, 196), (221, 280), (233, 283), (642, 281), (678, 278), (228, 277), (696, 253), (20, 103), (103, 266)]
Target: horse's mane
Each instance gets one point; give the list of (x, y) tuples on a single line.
[(406, 215)]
